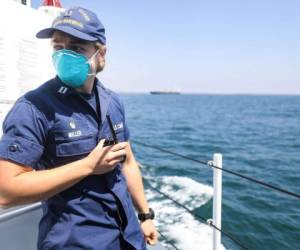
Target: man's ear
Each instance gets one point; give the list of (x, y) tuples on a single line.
[(101, 57), (102, 50)]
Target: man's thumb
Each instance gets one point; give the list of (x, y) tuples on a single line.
[(101, 143)]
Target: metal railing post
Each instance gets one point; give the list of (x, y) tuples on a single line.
[(217, 202)]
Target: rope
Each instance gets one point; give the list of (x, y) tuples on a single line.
[(209, 222), (168, 241), (279, 189)]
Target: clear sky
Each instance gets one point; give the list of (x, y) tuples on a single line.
[(199, 46)]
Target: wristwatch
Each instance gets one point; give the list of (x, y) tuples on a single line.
[(146, 216)]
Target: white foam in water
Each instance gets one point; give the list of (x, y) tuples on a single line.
[(180, 227)]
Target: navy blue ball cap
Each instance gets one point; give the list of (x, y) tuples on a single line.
[(77, 22)]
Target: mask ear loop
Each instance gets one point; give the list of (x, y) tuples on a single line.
[(89, 62)]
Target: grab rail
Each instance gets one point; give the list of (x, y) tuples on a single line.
[(19, 211)]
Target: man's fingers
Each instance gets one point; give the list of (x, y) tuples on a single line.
[(114, 148), (152, 238), (119, 146), (151, 241), (101, 143), (114, 163), (118, 155)]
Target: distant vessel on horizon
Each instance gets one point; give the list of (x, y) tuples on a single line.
[(165, 93)]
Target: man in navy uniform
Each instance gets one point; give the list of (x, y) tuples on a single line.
[(52, 149)]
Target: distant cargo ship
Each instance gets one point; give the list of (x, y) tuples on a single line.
[(164, 92)]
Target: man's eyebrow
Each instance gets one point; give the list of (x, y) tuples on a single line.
[(72, 41), (55, 40), (78, 41)]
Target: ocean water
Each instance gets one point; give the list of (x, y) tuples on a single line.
[(259, 136)]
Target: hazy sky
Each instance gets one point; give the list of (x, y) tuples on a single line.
[(230, 46)]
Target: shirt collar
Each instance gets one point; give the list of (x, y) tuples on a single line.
[(62, 91)]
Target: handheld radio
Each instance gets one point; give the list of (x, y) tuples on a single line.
[(114, 140)]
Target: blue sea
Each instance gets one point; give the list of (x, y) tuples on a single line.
[(259, 136)]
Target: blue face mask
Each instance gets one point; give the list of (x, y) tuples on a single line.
[(71, 67)]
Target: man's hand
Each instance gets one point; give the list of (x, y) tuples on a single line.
[(150, 232), (104, 159)]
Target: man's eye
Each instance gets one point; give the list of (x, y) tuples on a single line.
[(57, 47), (77, 49)]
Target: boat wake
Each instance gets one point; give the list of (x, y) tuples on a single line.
[(180, 227)]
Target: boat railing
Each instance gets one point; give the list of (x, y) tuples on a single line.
[(217, 165), (11, 214)]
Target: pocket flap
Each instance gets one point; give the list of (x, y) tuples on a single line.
[(78, 147)]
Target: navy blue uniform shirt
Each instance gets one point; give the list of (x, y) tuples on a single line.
[(53, 125)]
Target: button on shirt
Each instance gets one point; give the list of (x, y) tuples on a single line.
[(53, 125)]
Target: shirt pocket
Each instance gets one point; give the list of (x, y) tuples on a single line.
[(81, 146), (70, 142)]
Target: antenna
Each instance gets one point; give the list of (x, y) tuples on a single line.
[(112, 129), (115, 139)]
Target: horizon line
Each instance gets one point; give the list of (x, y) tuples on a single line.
[(213, 93)]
